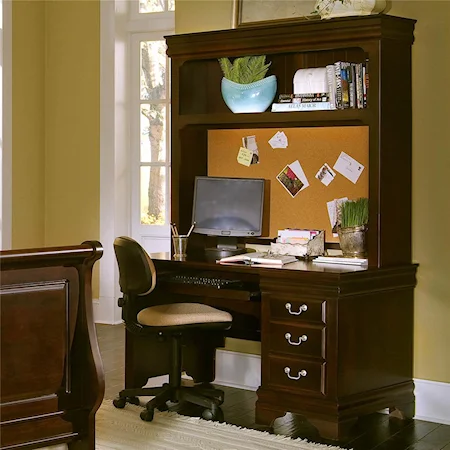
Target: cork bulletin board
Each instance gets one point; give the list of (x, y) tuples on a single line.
[(311, 147)]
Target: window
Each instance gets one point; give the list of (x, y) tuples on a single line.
[(153, 120), (150, 123), (153, 6)]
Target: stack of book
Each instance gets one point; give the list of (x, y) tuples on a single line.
[(348, 87), (348, 84), (302, 102)]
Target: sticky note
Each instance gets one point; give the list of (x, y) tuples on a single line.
[(244, 156)]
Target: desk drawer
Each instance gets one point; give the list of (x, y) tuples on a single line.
[(297, 308), (297, 339), (297, 374)]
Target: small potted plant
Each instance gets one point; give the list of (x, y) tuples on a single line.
[(244, 86), (352, 228)]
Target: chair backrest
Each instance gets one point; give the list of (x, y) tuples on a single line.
[(137, 273)]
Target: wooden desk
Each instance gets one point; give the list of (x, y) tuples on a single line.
[(337, 342)]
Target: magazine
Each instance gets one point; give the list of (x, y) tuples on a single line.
[(258, 258)]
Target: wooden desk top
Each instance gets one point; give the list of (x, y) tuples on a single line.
[(199, 262)]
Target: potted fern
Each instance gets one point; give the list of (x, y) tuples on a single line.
[(354, 217), (244, 86)]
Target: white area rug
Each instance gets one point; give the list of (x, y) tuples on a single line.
[(122, 429)]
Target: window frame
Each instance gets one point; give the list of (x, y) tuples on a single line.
[(6, 124), (135, 15), (116, 28), (137, 228)]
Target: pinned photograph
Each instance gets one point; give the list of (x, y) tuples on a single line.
[(290, 181), (249, 142), (325, 174), (297, 168)]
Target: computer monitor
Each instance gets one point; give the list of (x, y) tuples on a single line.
[(228, 208)]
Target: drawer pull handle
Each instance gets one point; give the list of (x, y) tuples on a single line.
[(300, 310), (301, 339), (301, 373)]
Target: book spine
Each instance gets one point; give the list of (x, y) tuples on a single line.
[(365, 82), (352, 84), (312, 106), (331, 80), (344, 85), (358, 76), (311, 99), (310, 95), (298, 98), (337, 75)]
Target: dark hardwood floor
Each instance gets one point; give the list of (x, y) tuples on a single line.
[(376, 431)]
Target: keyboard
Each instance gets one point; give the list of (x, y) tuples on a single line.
[(198, 280)]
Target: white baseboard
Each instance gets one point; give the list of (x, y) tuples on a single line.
[(432, 401), (241, 370), (106, 312)]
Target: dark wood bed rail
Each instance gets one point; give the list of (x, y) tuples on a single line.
[(52, 379)]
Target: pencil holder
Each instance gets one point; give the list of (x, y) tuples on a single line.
[(180, 246)]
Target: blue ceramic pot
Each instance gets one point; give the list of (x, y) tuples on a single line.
[(249, 98)]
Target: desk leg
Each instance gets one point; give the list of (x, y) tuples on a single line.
[(199, 357), (266, 414), (140, 360), (404, 410), (335, 429)]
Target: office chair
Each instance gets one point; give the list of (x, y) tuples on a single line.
[(137, 278)]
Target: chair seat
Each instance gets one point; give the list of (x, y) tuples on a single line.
[(179, 314)]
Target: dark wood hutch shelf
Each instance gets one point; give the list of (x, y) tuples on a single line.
[(197, 106), (269, 120), (360, 323)]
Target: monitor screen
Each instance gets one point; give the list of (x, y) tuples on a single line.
[(228, 206)]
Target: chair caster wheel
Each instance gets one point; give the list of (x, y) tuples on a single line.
[(120, 402), (147, 415), (215, 414)]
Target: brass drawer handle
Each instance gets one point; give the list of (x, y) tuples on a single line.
[(301, 339), (302, 308), (301, 373)]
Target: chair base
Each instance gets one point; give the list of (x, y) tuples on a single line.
[(204, 395)]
